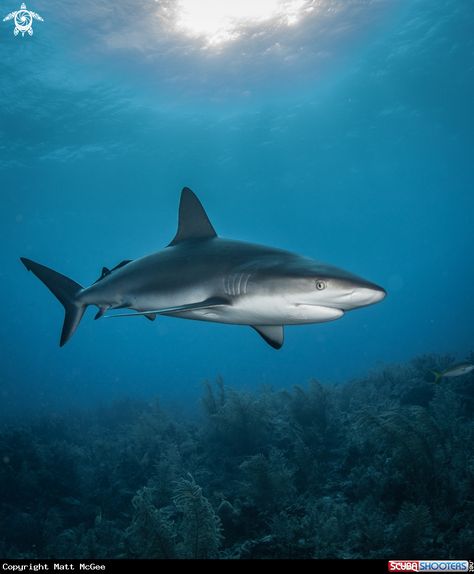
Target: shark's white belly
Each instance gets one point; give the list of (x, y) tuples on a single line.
[(263, 311)]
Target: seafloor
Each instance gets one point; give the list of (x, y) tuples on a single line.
[(377, 467)]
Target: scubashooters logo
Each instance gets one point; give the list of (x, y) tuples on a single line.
[(23, 20), (430, 566)]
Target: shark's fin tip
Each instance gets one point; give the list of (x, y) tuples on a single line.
[(26, 262), (271, 334)]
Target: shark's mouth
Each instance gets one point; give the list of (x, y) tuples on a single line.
[(318, 313)]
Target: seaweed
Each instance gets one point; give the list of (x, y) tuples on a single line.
[(377, 467), (199, 526), (152, 532)]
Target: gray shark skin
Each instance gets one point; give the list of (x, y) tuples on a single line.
[(207, 278)]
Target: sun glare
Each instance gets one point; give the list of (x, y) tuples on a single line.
[(218, 21)]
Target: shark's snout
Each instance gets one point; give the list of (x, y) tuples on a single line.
[(350, 292), (367, 295)]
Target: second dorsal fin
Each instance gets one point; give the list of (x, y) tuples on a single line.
[(193, 222)]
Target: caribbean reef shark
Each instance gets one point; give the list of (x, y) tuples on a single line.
[(207, 278)]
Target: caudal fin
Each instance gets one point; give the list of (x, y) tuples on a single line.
[(437, 376), (66, 290)]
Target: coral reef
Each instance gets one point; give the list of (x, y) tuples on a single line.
[(375, 468)]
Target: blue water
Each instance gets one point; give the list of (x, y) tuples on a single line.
[(347, 137)]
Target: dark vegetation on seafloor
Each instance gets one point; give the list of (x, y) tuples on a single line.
[(379, 467)]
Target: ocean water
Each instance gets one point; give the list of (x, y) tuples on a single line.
[(341, 130)]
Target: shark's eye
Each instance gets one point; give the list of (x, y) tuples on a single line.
[(320, 285)]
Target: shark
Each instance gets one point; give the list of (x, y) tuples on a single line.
[(204, 277)]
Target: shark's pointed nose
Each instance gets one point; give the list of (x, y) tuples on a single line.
[(369, 295), (378, 294)]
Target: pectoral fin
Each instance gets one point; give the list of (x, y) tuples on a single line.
[(207, 303), (271, 334)]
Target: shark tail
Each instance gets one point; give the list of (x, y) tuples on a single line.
[(437, 376), (66, 290)]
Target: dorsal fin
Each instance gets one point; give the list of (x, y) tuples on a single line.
[(105, 271), (193, 222)]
